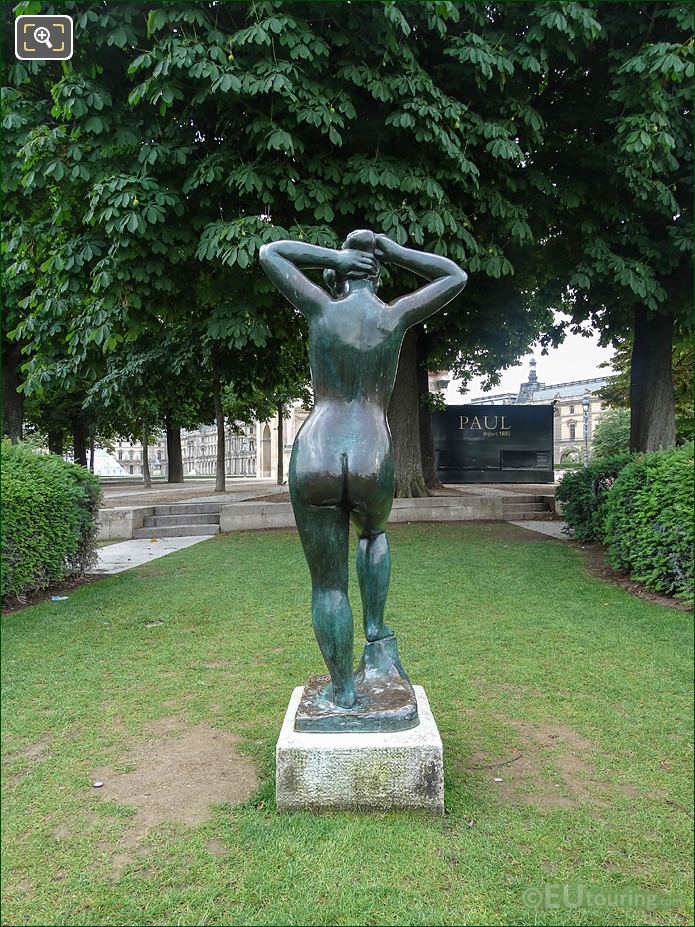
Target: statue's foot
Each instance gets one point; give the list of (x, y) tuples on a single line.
[(378, 632), (343, 696)]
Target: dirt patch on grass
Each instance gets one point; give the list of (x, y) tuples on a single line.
[(17, 602), (548, 766), (177, 775), (596, 564), (32, 751), (31, 754), (216, 847)]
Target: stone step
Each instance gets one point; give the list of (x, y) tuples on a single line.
[(176, 531), (431, 501), (530, 516), (525, 507), (188, 508), (517, 497), (166, 521)]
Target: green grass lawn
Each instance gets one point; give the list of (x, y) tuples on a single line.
[(574, 694)]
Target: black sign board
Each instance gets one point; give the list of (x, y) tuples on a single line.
[(494, 444)]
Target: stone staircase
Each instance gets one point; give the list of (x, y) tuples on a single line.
[(181, 519), (522, 507), (186, 519)]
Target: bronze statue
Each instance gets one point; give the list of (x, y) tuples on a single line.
[(342, 465)]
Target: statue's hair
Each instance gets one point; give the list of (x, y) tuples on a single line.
[(359, 240)]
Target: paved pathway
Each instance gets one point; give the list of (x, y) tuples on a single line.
[(203, 491), (115, 558), (553, 529)]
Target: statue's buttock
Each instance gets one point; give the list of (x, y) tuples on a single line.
[(344, 456)]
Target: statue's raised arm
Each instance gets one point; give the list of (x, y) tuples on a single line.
[(282, 260), (447, 280)]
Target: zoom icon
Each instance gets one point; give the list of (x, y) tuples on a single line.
[(43, 38)]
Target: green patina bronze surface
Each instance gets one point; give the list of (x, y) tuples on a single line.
[(342, 465)]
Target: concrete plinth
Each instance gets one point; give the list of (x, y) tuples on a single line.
[(360, 771)]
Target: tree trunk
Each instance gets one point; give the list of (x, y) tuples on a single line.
[(91, 455), (219, 420), (652, 401), (12, 399), (146, 475), (174, 455), (55, 442), (79, 442), (404, 420), (281, 446), (429, 471)]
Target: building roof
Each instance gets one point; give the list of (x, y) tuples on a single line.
[(494, 399), (532, 391), (567, 390)]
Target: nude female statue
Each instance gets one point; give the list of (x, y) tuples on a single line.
[(342, 465)]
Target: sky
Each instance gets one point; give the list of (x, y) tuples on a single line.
[(577, 358)]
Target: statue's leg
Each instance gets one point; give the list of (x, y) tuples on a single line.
[(370, 502), (374, 572), (323, 531)]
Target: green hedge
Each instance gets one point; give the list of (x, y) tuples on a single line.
[(647, 521), (582, 493), (49, 519)]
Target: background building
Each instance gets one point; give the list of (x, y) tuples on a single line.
[(128, 455), (252, 450), (199, 450)]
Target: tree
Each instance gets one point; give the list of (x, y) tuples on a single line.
[(612, 434), (19, 114), (452, 125), (419, 129), (58, 414), (149, 385), (266, 392), (616, 392), (619, 156), (128, 260)]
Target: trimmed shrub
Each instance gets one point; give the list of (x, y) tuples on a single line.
[(49, 519), (647, 521), (582, 493)]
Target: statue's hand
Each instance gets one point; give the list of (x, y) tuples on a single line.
[(385, 248), (351, 262)]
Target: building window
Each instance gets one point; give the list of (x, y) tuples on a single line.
[(573, 431), (120, 455), (571, 410)]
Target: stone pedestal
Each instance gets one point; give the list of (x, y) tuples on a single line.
[(360, 771)]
